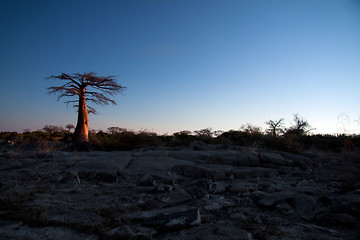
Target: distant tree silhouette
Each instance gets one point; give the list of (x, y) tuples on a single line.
[(206, 132), (182, 133), (251, 129), (217, 133), (275, 126), (69, 127), (78, 85), (300, 126), (113, 130), (52, 128), (26, 130)]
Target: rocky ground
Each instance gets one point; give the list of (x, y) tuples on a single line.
[(213, 192)]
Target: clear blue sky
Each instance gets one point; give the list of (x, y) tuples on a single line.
[(187, 64)]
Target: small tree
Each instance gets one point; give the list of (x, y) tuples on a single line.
[(275, 126), (86, 87), (251, 129), (182, 133), (52, 128), (300, 126), (206, 133), (92, 131), (217, 133), (69, 126)]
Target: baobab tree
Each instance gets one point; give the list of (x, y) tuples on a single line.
[(300, 126), (275, 126), (87, 87)]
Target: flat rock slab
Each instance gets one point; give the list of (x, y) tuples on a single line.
[(272, 199), (214, 192), (272, 158), (20, 231), (156, 166), (174, 198), (213, 232), (168, 218), (105, 161)]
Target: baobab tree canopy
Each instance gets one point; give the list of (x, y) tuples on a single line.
[(87, 87)]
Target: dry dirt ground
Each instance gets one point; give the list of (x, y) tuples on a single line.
[(213, 192)]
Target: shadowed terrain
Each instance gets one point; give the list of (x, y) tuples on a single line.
[(197, 192)]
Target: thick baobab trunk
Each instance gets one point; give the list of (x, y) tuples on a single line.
[(82, 126), (274, 131)]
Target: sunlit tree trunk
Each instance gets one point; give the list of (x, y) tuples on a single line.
[(82, 126), (88, 87)]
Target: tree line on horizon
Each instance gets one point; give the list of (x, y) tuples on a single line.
[(275, 128), (88, 87), (293, 139)]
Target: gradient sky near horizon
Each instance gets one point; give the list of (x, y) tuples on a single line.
[(187, 64)]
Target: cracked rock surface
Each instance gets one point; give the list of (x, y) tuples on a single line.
[(213, 192)]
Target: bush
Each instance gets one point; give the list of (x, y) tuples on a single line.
[(126, 140), (243, 138)]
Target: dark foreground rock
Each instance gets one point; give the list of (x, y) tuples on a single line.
[(208, 193)]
